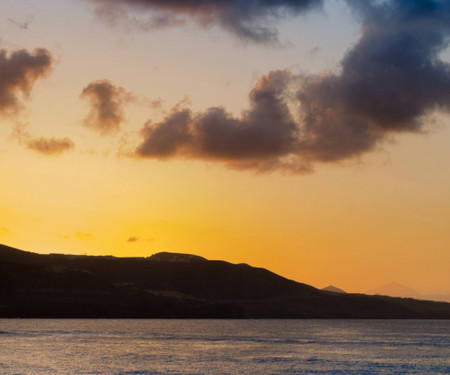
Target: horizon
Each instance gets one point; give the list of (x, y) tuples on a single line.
[(307, 137)]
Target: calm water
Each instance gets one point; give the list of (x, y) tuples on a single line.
[(224, 347)]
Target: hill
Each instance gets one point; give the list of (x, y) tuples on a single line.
[(331, 288), (168, 285)]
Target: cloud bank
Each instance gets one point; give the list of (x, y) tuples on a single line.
[(388, 82), (19, 71), (247, 19), (106, 106)]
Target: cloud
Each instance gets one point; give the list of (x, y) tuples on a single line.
[(46, 146), (19, 71), (248, 20), (389, 81), (400, 48), (50, 146), (134, 239), (259, 138), (156, 104), (106, 102), (24, 25)]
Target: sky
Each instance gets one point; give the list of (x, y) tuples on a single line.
[(307, 137)]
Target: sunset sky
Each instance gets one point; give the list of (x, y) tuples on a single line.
[(308, 137)]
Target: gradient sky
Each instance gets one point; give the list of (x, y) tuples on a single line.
[(121, 132)]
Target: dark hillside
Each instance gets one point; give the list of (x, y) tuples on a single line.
[(176, 286)]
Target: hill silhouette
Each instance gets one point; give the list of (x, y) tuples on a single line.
[(168, 285), (332, 288)]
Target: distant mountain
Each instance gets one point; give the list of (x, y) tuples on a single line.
[(331, 288), (394, 289), (168, 285)]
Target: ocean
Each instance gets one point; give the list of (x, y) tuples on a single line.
[(141, 347)]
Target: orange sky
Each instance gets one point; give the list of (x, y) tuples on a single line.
[(356, 223)]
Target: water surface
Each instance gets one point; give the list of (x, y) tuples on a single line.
[(30, 347)]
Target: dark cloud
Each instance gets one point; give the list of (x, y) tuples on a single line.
[(258, 138), (266, 136), (388, 82), (106, 101), (19, 71), (251, 20), (394, 75), (50, 146)]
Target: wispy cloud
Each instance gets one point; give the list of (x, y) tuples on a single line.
[(248, 20), (133, 239), (23, 25), (46, 146), (50, 146)]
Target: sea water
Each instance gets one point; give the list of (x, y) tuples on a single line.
[(224, 347)]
